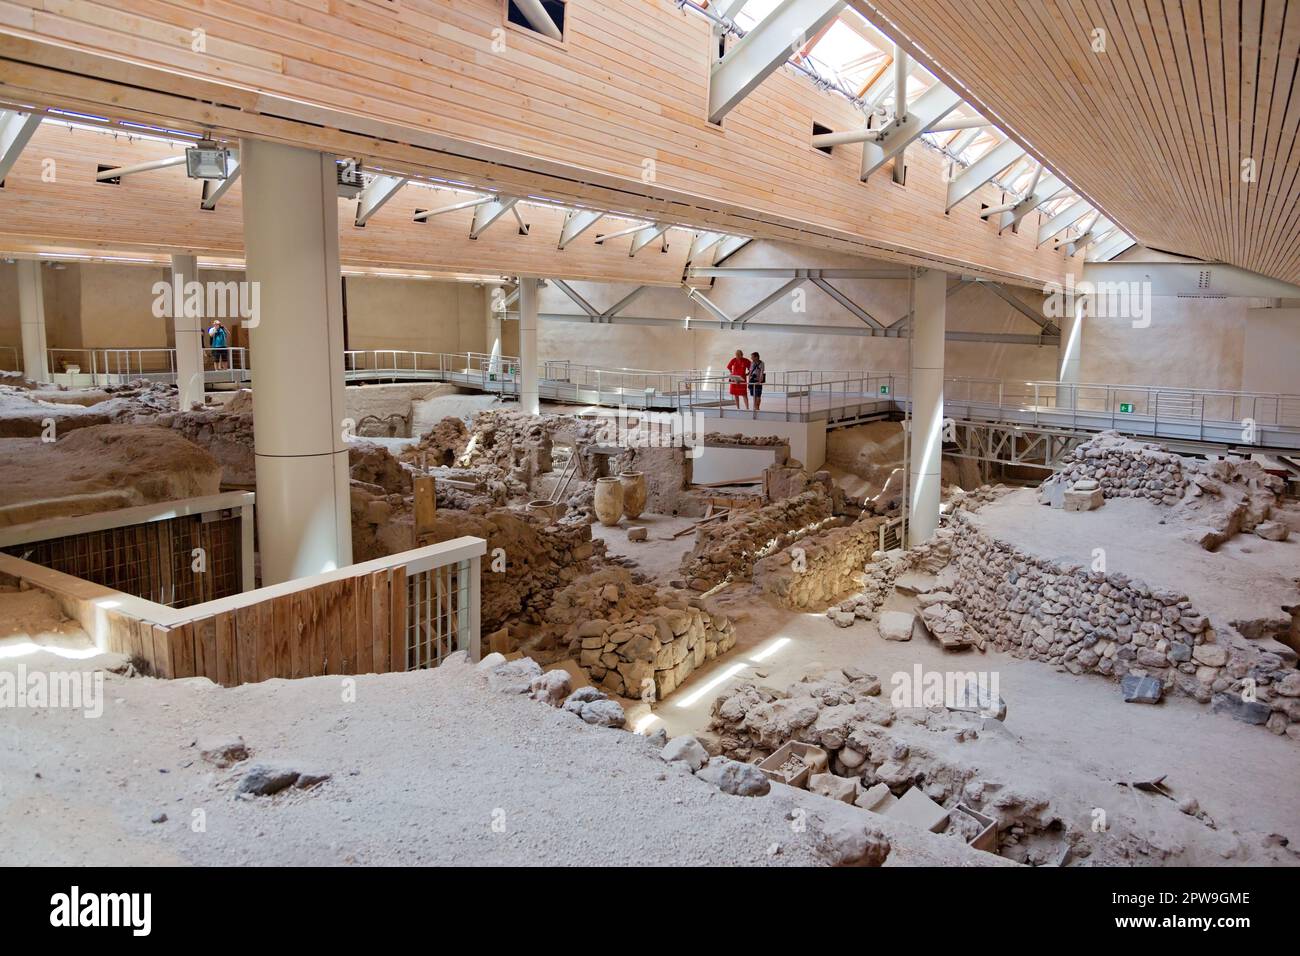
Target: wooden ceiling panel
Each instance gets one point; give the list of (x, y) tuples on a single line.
[(1178, 119)]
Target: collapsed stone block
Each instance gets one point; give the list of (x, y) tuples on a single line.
[(896, 625), (737, 779), (1080, 498), (1272, 531)]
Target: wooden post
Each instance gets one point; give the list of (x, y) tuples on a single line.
[(426, 506)]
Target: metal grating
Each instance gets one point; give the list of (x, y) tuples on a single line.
[(438, 618), (153, 560)]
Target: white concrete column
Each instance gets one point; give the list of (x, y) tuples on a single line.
[(189, 334), (291, 243), (492, 294), (528, 345), (1071, 351), (926, 389), (31, 315)]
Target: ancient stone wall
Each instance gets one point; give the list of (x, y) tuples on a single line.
[(519, 581), (820, 567), (626, 634), (728, 549), (1093, 622)]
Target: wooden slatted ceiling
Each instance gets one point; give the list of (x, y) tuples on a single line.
[(574, 122), (1155, 129), (158, 211)]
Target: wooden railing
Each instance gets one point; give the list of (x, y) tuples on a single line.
[(398, 613)]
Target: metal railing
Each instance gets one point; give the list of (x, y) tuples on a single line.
[(835, 395), (490, 373), (797, 394), (9, 359), (618, 381), (117, 366)]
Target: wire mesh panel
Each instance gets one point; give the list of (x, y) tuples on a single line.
[(174, 561), (438, 618)]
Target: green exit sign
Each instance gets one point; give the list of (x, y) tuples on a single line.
[(1126, 407), (884, 390)]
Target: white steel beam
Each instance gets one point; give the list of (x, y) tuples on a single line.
[(698, 297), (996, 210), (982, 170), (951, 125), (16, 130), (1047, 187), (1013, 300), (794, 328), (1104, 251), (538, 18), (822, 140), (601, 240), (576, 222), (622, 303), (643, 237), (1103, 228), (782, 272), (767, 300), (728, 247), (214, 189), (930, 107), (140, 168), (377, 192), (959, 143), (487, 213), (761, 51), (1063, 220), (902, 67), (454, 207), (852, 307), (577, 298), (701, 243)]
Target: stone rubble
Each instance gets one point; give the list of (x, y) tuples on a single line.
[(635, 640), (864, 734), (728, 549)]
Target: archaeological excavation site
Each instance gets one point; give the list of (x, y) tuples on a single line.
[(928, 496)]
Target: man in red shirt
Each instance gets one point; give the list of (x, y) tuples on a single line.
[(738, 370)]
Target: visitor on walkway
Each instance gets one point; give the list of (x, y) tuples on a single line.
[(738, 372), (218, 337), (757, 376)]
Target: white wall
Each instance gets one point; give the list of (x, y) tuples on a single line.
[(1272, 350), (1191, 342)]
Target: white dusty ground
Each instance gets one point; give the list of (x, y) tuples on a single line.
[(1071, 738), (660, 555), (429, 767)]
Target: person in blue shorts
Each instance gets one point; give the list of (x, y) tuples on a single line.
[(757, 376)]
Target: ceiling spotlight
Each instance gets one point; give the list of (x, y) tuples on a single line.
[(207, 161)]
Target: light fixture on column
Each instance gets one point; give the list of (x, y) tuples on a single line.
[(207, 160)]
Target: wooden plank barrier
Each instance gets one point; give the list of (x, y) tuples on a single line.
[(353, 621)]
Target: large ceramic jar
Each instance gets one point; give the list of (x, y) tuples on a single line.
[(609, 501), (634, 493), (544, 508)]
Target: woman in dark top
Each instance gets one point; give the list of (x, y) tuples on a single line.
[(757, 376)]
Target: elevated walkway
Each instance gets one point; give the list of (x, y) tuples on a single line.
[(1188, 419)]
